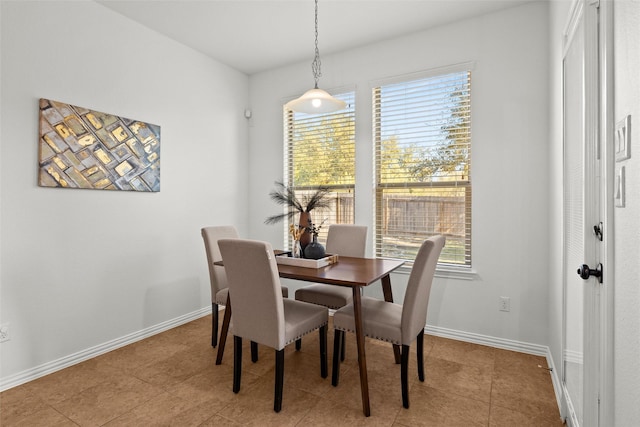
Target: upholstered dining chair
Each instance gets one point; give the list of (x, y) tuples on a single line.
[(217, 275), (342, 239), (260, 314), (395, 323)]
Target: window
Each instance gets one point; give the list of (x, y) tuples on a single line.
[(422, 140), (320, 151)]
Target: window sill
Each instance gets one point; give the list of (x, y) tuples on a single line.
[(445, 272)]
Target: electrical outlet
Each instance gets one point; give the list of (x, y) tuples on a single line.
[(505, 304), (4, 332)]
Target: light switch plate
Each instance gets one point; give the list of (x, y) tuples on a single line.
[(623, 139), (619, 187)]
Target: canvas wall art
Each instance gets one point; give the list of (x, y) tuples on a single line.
[(82, 148)]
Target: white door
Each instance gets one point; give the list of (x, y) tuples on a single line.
[(581, 218)]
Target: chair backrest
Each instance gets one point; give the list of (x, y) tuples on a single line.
[(347, 240), (211, 235), (255, 291), (416, 297)]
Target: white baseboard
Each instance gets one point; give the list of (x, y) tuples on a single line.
[(505, 344), (557, 383), (522, 347), (574, 357), (81, 356), (571, 418)]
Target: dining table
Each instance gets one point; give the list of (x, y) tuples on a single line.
[(353, 272)]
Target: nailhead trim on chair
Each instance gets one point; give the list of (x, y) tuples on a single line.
[(305, 333), (370, 336)]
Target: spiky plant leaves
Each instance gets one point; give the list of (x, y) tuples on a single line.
[(286, 196)]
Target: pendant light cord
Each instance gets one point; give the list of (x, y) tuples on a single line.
[(315, 65), (315, 101)]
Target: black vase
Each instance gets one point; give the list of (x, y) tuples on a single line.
[(314, 250)]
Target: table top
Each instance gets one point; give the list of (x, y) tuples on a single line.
[(347, 271)]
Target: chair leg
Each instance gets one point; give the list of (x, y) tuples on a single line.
[(277, 400), (404, 368), (223, 334), (237, 363), (420, 357), (214, 324), (337, 342), (323, 351), (298, 344), (343, 347), (254, 351)]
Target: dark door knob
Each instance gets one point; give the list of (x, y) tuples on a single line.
[(585, 272)]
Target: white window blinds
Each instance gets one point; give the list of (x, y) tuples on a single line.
[(320, 151), (422, 137)]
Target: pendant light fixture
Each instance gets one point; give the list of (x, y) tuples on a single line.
[(316, 100)]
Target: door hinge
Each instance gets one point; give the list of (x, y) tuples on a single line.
[(595, 3), (597, 229)]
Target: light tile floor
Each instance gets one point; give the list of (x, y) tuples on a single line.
[(170, 379)]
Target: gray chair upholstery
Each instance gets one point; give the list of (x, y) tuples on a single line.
[(217, 275), (342, 239), (397, 324), (260, 314)]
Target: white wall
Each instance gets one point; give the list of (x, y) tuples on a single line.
[(627, 233), (83, 267), (510, 172)]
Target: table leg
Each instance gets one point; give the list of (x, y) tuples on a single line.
[(362, 361), (225, 330), (388, 296)]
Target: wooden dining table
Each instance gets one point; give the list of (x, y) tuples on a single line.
[(352, 272)]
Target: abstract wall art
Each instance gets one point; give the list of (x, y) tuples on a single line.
[(82, 148)]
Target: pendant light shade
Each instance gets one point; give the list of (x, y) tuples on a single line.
[(316, 101)]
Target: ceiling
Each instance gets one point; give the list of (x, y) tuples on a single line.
[(257, 35)]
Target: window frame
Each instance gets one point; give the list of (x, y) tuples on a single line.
[(459, 269)]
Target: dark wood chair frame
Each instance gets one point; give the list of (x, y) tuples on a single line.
[(279, 372), (338, 342)]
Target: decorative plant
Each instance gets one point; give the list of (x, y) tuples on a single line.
[(286, 196), (311, 228), (296, 231)]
